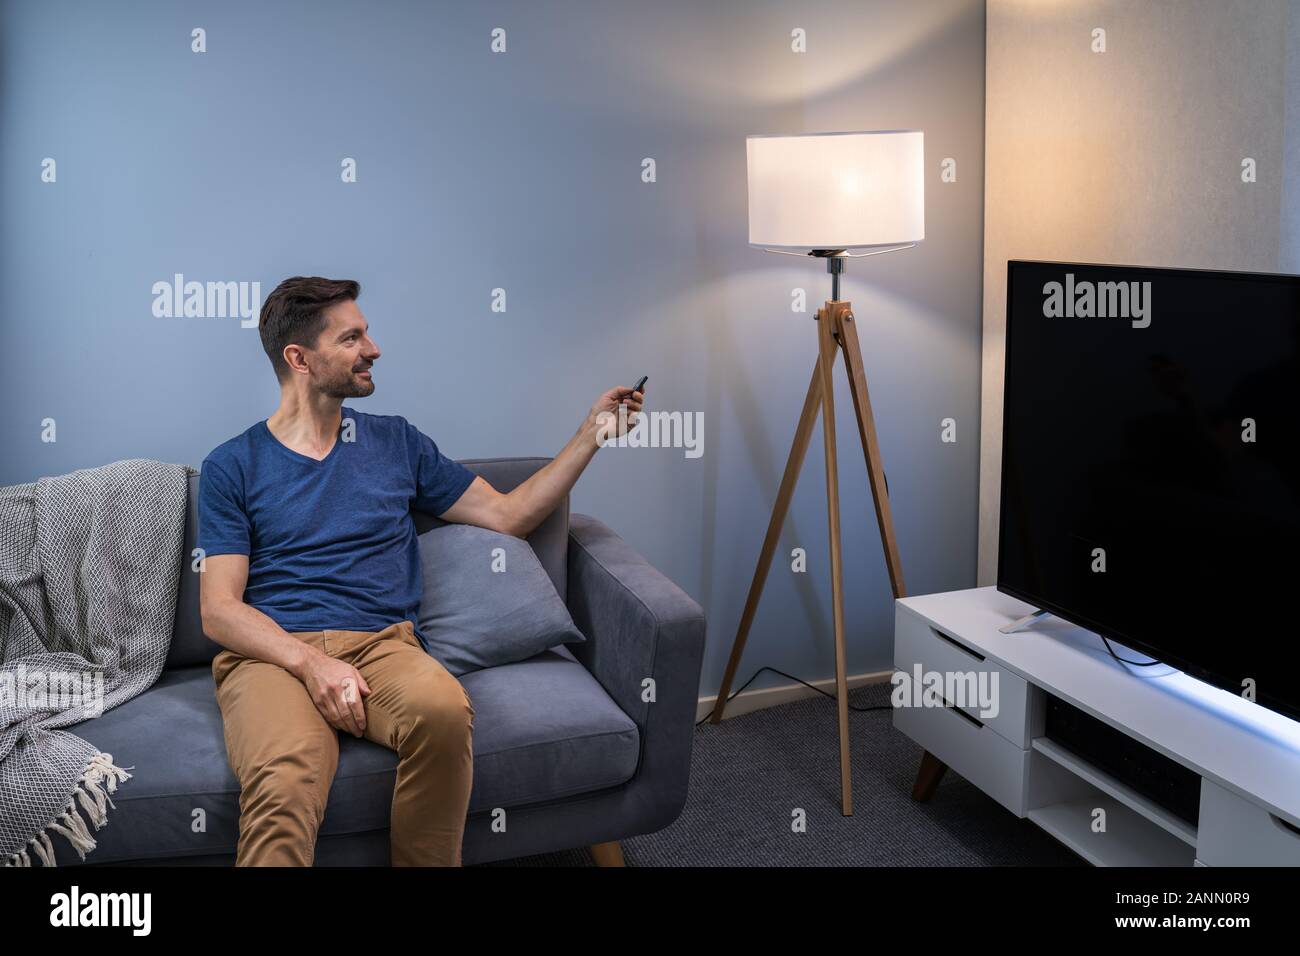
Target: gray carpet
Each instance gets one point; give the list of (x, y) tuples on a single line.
[(750, 772)]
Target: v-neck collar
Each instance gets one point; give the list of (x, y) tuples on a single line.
[(298, 456)]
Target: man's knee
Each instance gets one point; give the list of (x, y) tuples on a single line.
[(443, 719), (286, 784)]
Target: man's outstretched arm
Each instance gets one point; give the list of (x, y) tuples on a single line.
[(519, 511)]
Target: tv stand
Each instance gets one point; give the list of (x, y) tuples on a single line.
[(1247, 757), (1031, 618)]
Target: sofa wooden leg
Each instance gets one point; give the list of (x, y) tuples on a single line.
[(607, 854)]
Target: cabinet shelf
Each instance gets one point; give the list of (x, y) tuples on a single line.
[(1129, 839), (1120, 792)]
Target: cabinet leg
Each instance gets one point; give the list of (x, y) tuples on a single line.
[(928, 777)]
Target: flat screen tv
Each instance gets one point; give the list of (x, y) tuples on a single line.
[(1151, 464)]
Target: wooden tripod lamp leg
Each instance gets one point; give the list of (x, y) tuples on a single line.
[(826, 351), (798, 450), (932, 769), (871, 448), (835, 331)]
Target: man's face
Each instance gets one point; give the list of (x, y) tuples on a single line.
[(344, 353)]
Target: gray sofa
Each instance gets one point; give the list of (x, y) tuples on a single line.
[(563, 742)]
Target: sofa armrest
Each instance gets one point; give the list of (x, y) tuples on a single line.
[(639, 625)]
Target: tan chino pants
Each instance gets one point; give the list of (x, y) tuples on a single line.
[(284, 753)]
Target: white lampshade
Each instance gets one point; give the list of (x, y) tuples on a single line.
[(836, 190)]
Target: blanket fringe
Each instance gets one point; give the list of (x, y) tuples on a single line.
[(91, 799)]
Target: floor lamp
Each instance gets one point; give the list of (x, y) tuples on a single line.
[(822, 195)]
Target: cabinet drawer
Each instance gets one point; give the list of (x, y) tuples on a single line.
[(917, 642), (1235, 832), (985, 758)]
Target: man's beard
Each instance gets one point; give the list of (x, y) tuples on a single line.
[(348, 385)]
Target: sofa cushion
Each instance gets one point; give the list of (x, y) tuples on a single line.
[(189, 644), (549, 541), (486, 600), (183, 799)]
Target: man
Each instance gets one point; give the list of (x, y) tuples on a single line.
[(312, 585)]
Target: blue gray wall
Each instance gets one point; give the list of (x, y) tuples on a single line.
[(522, 171)]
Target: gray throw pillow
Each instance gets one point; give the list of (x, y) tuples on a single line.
[(481, 607)]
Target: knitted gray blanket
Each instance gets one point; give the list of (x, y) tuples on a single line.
[(89, 569)]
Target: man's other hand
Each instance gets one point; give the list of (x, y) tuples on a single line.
[(336, 688)]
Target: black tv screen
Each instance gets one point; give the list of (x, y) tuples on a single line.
[(1151, 464)]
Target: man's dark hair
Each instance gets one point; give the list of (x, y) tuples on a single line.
[(294, 314)]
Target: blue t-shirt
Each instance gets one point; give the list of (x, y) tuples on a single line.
[(331, 544)]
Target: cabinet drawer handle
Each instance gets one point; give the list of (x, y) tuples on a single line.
[(961, 713), (1289, 827), (961, 647)]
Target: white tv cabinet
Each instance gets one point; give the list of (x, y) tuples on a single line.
[(1248, 757)]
